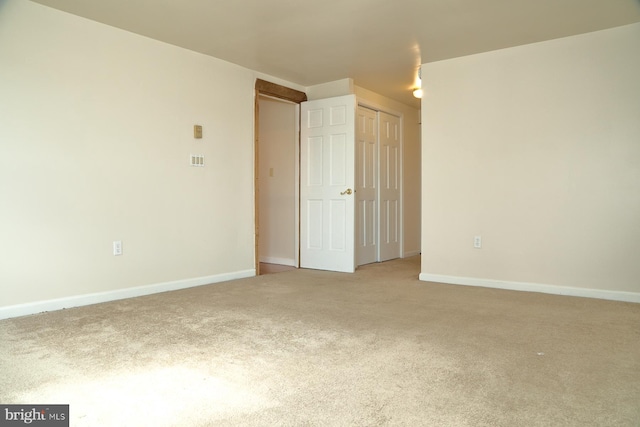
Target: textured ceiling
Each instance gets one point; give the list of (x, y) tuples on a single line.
[(378, 43)]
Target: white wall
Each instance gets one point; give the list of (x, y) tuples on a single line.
[(96, 127), (278, 173), (537, 149), (330, 89)]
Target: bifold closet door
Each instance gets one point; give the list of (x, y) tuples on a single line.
[(389, 191), (367, 186)]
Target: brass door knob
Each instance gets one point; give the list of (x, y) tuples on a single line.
[(347, 191)]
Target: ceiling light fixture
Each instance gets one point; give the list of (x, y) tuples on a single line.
[(418, 92)]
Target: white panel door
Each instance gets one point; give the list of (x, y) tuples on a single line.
[(390, 169), (327, 178), (366, 186)]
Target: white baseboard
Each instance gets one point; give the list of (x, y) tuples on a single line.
[(279, 261), (96, 298), (534, 287)]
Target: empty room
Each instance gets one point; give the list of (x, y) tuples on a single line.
[(341, 213)]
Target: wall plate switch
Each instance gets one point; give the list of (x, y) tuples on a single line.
[(197, 131), (196, 160), (477, 242), (117, 247)]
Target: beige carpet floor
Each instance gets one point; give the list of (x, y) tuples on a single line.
[(307, 348)]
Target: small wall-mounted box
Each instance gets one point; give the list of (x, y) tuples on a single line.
[(197, 131), (196, 160)]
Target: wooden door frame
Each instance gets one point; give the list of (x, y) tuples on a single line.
[(264, 87)]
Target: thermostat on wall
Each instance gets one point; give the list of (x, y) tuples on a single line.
[(197, 131)]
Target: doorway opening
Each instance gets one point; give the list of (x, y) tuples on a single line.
[(276, 174)]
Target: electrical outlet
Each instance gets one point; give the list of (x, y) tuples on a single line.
[(117, 247), (477, 242)]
